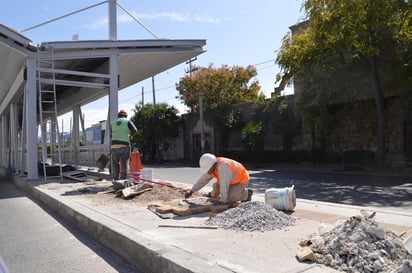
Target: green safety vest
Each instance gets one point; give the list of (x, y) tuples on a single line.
[(120, 130)]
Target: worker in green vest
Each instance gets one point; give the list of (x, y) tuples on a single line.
[(121, 130)]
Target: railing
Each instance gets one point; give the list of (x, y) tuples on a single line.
[(87, 155)]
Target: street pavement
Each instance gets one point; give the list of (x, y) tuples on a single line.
[(135, 233), (318, 184), (34, 239)]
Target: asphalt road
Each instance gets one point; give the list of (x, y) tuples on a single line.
[(33, 240), (375, 190)]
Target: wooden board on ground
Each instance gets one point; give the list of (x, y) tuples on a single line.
[(136, 190), (190, 206)]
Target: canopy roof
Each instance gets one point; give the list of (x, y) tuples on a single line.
[(81, 68)]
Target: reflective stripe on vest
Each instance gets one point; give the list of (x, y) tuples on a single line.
[(240, 174), (120, 130)]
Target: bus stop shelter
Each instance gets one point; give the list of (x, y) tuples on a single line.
[(75, 73)]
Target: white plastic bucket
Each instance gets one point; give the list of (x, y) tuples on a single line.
[(146, 175), (281, 199)]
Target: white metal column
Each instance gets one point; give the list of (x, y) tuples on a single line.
[(22, 138), (13, 137), (31, 121), (112, 20), (113, 96), (113, 91), (75, 134), (4, 140)]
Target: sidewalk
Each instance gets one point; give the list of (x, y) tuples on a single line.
[(133, 232)]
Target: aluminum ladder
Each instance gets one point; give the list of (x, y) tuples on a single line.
[(49, 127)]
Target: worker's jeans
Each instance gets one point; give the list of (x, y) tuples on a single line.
[(120, 162), (237, 192)]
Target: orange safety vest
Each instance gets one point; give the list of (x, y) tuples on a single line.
[(239, 172)]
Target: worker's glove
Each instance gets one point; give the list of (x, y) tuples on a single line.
[(188, 193)]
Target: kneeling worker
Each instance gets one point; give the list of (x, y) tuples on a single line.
[(232, 179)]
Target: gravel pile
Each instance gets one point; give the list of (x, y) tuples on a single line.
[(360, 245), (252, 216)]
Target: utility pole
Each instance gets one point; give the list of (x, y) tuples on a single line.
[(154, 91), (154, 121), (202, 133), (142, 96)]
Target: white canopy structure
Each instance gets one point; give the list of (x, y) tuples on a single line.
[(76, 73)]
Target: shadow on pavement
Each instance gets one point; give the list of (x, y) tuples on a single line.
[(9, 190), (359, 190)]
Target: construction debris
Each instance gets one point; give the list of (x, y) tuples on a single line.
[(360, 245), (306, 253), (80, 176), (136, 190), (185, 207), (180, 226), (252, 216)]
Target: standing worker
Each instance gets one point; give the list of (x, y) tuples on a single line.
[(232, 179), (121, 130)]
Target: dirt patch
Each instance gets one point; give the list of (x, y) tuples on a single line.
[(160, 193), (103, 193)]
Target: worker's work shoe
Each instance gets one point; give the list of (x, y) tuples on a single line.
[(122, 183), (209, 194), (118, 184), (249, 195)]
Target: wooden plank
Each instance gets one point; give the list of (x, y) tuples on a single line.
[(136, 190), (200, 227), (219, 208), (189, 210), (135, 193), (164, 209)]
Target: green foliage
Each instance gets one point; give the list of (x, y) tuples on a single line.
[(157, 126), (219, 86), (250, 135), (359, 47), (342, 37), (226, 122), (278, 112)]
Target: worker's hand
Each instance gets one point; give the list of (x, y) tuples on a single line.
[(188, 193)]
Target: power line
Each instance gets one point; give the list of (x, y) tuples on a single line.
[(263, 68), (146, 92), (265, 62)]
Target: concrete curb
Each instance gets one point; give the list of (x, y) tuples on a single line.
[(129, 243)]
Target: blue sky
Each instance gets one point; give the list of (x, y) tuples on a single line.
[(237, 32)]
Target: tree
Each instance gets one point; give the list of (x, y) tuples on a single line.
[(349, 46), (278, 112), (219, 86), (250, 137), (157, 126)]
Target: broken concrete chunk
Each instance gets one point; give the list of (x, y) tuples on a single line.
[(377, 231), (306, 253)]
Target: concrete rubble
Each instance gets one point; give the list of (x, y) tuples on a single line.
[(252, 216), (359, 244)]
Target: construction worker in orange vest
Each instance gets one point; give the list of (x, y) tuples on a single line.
[(232, 179)]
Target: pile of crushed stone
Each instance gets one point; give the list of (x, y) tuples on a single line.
[(360, 245), (252, 216)]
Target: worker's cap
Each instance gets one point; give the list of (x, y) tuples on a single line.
[(206, 162), (122, 113)]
